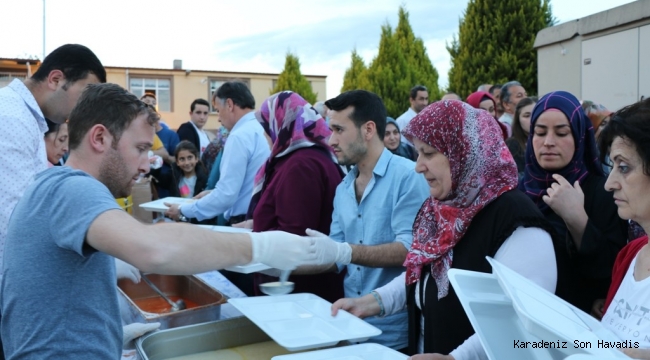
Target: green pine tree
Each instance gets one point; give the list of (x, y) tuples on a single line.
[(355, 76), (422, 70), (389, 75), (495, 44), (292, 79)]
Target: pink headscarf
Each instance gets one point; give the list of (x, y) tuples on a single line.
[(291, 123), (482, 169)]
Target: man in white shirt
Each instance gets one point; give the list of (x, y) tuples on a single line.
[(511, 93), (192, 130), (243, 155), (50, 93), (419, 100)]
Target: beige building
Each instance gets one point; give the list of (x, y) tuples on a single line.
[(601, 57), (175, 88)]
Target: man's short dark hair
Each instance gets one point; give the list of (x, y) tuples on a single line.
[(236, 91), (199, 102), (415, 89), (74, 61), (146, 95), (494, 87), (109, 105), (367, 107)]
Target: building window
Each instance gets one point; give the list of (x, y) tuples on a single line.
[(159, 87), (216, 83)]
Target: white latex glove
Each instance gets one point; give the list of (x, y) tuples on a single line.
[(329, 251), (125, 270), (133, 331), (282, 250)]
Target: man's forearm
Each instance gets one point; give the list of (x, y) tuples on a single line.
[(384, 255)]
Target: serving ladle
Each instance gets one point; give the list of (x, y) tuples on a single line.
[(176, 306), (281, 287)]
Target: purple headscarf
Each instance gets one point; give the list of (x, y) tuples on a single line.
[(585, 157)]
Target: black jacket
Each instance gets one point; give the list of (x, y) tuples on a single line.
[(188, 132)]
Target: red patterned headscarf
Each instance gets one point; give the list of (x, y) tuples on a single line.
[(475, 99), (482, 169)]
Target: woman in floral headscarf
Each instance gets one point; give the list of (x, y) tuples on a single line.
[(474, 211), (565, 180), (483, 100), (295, 189)]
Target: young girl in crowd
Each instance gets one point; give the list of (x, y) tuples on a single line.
[(56, 142), (520, 129), (189, 177)]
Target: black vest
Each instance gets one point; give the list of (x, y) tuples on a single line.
[(446, 325)]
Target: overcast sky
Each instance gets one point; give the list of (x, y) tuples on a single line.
[(242, 35)]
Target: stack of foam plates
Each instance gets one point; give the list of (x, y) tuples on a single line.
[(516, 319)]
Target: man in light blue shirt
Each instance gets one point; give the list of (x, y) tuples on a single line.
[(243, 155), (374, 206)]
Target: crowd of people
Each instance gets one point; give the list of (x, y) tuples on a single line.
[(369, 212)]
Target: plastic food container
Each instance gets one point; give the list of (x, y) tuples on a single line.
[(201, 338)]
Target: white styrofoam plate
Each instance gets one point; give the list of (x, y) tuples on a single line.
[(491, 314), (353, 352), (158, 205), (500, 327), (547, 316), (303, 321)]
